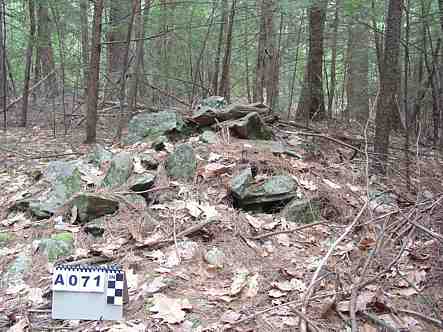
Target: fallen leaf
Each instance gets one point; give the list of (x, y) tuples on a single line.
[(169, 309), (230, 316), (331, 184), (252, 286), (254, 222), (194, 209), (239, 282), (275, 293)]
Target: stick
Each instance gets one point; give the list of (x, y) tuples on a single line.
[(35, 86), (262, 236), (310, 289)]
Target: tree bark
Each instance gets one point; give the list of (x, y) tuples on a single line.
[(84, 5), (387, 104), (29, 51), (225, 82), (94, 75), (311, 104), (217, 59), (45, 50), (3, 74), (333, 83), (358, 92)]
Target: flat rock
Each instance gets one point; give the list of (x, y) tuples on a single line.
[(150, 125), (141, 182), (251, 126), (302, 211), (92, 206)]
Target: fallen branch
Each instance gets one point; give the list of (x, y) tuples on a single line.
[(310, 289), (35, 86), (262, 236), (144, 191), (436, 322), (332, 139)]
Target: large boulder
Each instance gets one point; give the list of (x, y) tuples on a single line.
[(208, 115), (92, 206), (119, 171), (150, 125), (250, 126), (182, 163)]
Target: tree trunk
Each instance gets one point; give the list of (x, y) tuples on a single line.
[(84, 5), (312, 104), (94, 74), (3, 75), (217, 59), (333, 83), (440, 72), (225, 82), (122, 94), (358, 92), (137, 76), (29, 50), (45, 51), (260, 67), (387, 104), (119, 13)]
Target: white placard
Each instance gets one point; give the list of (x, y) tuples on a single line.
[(78, 281)]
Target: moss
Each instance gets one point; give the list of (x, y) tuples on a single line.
[(65, 236), (5, 238)]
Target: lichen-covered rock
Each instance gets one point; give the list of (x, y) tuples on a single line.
[(92, 206), (59, 245), (137, 201), (240, 183), (302, 210), (148, 161), (17, 268), (99, 155), (159, 143), (274, 192), (150, 125), (66, 181), (250, 126), (119, 171), (209, 137), (182, 163)]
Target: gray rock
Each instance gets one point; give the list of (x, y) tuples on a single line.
[(148, 161), (276, 191), (250, 126), (92, 206), (5, 238), (119, 171), (151, 125), (208, 115), (240, 183), (302, 210), (215, 257), (141, 182), (59, 245), (138, 201), (66, 181), (209, 137), (182, 163), (16, 270), (99, 155), (159, 143)]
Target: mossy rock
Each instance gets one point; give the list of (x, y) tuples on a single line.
[(182, 163)]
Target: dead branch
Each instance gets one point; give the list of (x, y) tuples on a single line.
[(262, 236)]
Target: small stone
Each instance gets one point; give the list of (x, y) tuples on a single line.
[(148, 161), (159, 143), (215, 257), (92, 206)]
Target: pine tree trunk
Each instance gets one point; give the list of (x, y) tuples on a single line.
[(225, 82), (332, 85), (312, 104), (45, 50), (3, 74), (387, 105), (84, 5), (94, 74), (358, 92), (215, 78), (29, 51)]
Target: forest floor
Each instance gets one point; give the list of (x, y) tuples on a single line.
[(272, 273)]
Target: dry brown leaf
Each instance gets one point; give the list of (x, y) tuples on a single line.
[(169, 309)]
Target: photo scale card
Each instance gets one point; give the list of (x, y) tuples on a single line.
[(87, 293)]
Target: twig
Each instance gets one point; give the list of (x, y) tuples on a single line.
[(174, 234), (262, 236), (433, 321), (380, 322), (310, 289)]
